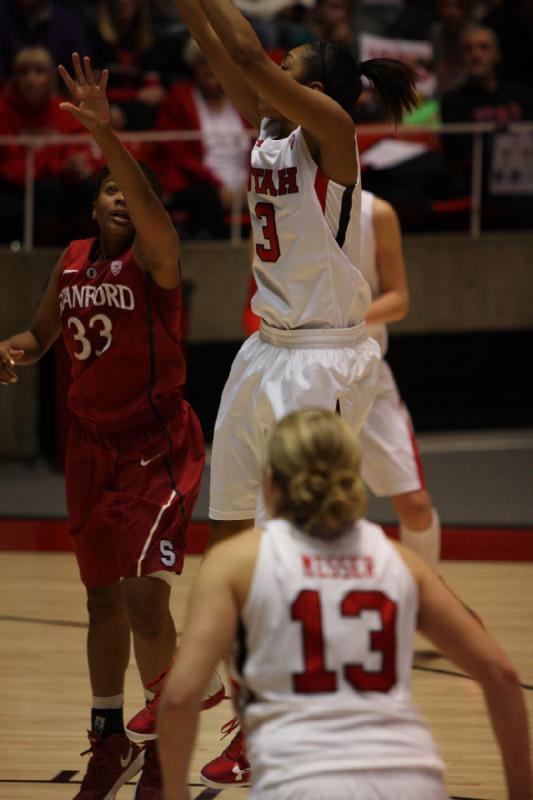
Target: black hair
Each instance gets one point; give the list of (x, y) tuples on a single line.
[(340, 74), (148, 173)]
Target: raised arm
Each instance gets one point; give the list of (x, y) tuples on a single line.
[(241, 94), (29, 346), (393, 302), (455, 633), (318, 114), (156, 247)]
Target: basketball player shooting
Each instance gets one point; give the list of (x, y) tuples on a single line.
[(135, 453)]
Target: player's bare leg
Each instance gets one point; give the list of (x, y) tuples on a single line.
[(222, 528), (152, 626), (113, 758), (419, 524), (108, 640)]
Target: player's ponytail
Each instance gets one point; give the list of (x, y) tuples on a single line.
[(394, 82), (313, 463), (341, 77)]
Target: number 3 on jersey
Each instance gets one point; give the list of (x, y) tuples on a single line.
[(307, 609), (267, 212), (102, 324)]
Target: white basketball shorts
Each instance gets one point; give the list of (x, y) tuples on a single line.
[(366, 785), (390, 459), (276, 372)]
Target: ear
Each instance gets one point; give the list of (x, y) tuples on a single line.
[(317, 86), (93, 213)]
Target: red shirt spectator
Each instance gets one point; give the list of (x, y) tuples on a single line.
[(28, 105), (201, 176), (62, 172), (123, 42)]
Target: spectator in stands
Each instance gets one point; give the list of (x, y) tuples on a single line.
[(454, 16), (124, 42), (277, 23), (330, 22), (39, 22), (378, 17), (484, 97), (62, 173), (512, 22), (201, 177)]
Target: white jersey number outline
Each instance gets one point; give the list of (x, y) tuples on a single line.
[(307, 609), (105, 332)]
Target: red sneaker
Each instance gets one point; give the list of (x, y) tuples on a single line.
[(141, 727), (113, 762), (150, 786), (231, 768)]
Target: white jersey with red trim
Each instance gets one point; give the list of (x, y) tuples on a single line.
[(307, 238), (324, 658), (368, 263)]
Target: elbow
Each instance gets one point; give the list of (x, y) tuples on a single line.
[(500, 675), (404, 305)]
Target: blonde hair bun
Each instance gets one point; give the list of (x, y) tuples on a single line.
[(314, 462)]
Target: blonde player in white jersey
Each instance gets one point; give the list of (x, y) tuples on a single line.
[(313, 347), (391, 465), (320, 609)]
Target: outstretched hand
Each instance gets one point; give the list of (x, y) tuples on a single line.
[(8, 358), (90, 105)]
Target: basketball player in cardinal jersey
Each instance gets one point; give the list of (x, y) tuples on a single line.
[(390, 462), (136, 453), (319, 609)]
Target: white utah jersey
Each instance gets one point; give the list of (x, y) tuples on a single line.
[(324, 658), (306, 237), (368, 264)]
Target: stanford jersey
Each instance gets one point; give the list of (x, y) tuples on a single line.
[(307, 239), (325, 658), (122, 333)]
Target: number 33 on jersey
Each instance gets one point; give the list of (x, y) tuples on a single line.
[(122, 333)]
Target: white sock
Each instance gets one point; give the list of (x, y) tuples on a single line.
[(114, 701), (148, 695), (425, 543)]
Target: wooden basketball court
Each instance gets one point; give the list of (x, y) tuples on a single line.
[(46, 696)]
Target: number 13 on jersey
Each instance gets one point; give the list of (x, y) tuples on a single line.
[(316, 678)]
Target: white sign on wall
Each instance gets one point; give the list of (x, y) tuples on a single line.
[(512, 163), (419, 54)]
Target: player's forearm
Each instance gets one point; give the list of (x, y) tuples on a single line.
[(507, 711), (389, 307), (177, 723), (194, 17), (233, 30), (148, 215), (230, 76), (29, 343)]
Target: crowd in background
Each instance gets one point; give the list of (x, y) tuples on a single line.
[(475, 63)]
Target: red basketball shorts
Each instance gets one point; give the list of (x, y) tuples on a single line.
[(130, 496)]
